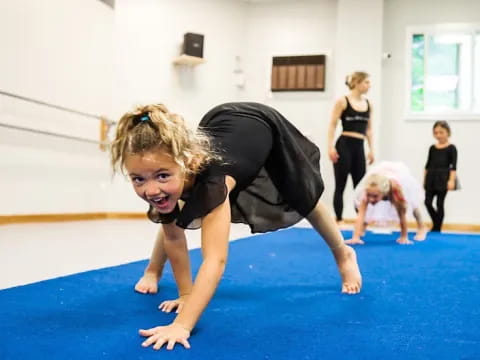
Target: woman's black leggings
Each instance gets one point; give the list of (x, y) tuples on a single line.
[(351, 161), (438, 214)]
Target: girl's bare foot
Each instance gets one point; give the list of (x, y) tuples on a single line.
[(404, 241), (354, 242), (421, 234), (148, 283), (346, 259)]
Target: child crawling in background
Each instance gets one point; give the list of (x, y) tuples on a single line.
[(387, 193), (246, 163)]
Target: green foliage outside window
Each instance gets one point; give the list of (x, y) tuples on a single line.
[(418, 73)]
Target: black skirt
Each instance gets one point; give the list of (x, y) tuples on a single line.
[(437, 179), (276, 168)]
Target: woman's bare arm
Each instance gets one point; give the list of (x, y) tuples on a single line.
[(338, 108), (369, 135)]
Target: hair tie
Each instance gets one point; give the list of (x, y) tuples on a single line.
[(141, 119)]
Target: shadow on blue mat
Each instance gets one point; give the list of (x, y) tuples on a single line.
[(279, 299)]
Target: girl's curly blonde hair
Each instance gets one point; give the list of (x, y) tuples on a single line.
[(381, 182), (152, 127)]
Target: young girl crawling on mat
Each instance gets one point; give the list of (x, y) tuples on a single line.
[(245, 163), (387, 193)]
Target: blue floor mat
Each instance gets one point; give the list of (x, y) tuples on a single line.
[(279, 299)]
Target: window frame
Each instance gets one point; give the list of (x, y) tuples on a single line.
[(441, 29)]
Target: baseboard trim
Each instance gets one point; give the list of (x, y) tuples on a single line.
[(42, 218), (445, 227)]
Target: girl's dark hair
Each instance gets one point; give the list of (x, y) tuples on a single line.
[(443, 124)]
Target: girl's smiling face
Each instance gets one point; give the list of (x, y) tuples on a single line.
[(373, 195), (156, 178)]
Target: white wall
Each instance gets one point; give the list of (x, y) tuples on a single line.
[(148, 37), (83, 55), (347, 31), (282, 28), (290, 28), (59, 52), (359, 48), (408, 141)]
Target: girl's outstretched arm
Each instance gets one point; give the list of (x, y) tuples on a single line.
[(400, 205), (215, 235), (359, 224), (402, 215), (176, 249)]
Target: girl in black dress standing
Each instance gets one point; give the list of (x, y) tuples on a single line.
[(246, 163), (440, 173)]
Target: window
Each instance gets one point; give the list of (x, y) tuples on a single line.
[(443, 78)]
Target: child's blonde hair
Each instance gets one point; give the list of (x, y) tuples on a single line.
[(381, 182), (152, 127), (356, 78)]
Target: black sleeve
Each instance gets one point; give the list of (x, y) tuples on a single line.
[(429, 159), (206, 195), (453, 158)]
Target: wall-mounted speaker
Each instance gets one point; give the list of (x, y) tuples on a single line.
[(193, 44)]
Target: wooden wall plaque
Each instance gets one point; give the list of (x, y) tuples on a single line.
[(298, 73)]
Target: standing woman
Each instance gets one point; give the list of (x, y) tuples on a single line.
[(348, 155)]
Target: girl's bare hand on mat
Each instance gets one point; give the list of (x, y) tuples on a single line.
[(169, 335), (170, 305)]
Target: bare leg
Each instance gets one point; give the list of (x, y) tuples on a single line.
[(148, 283), (421, 229), (344, 255)]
